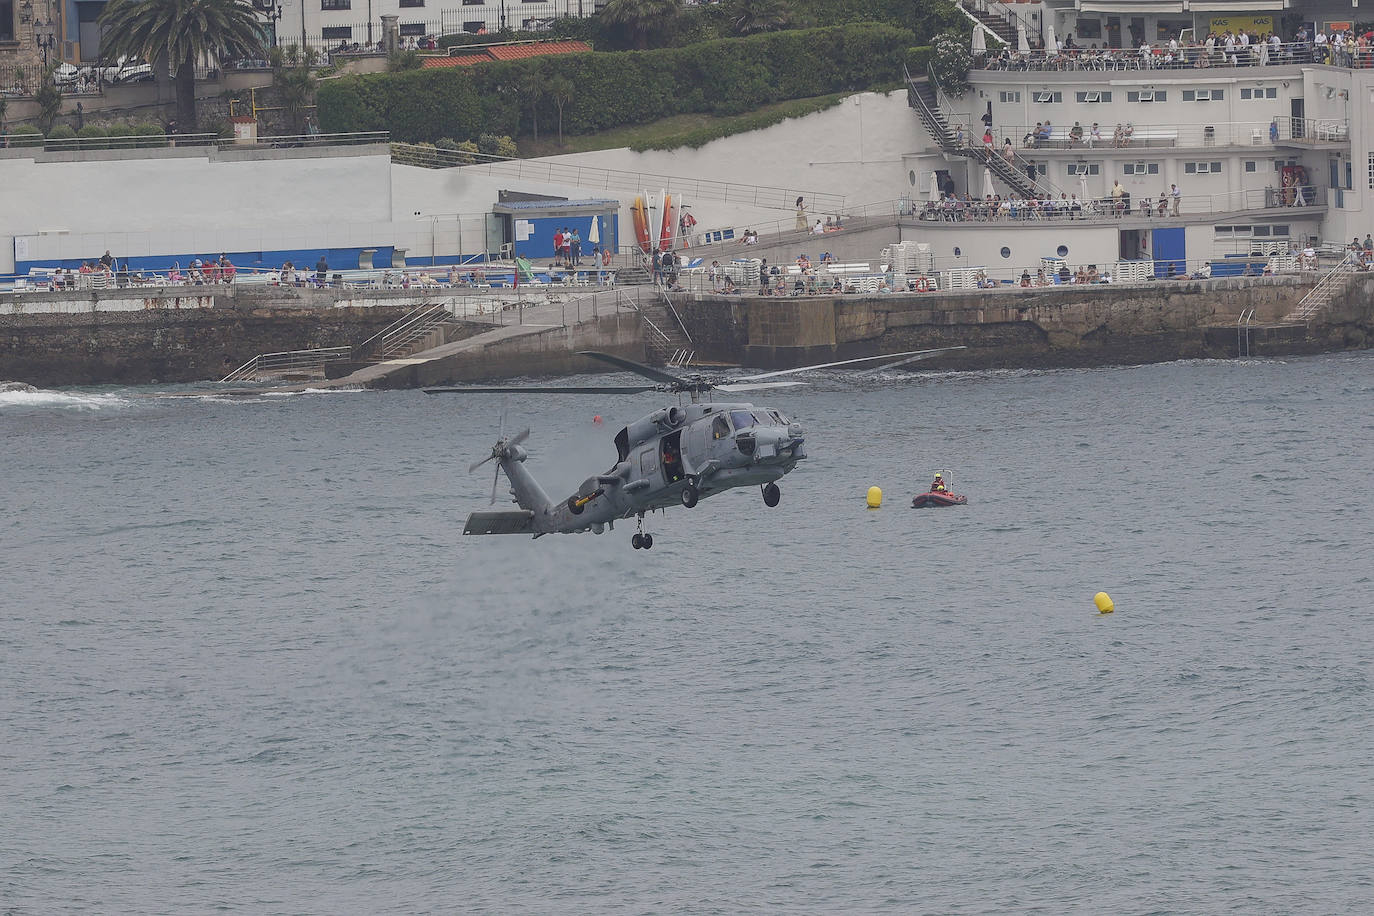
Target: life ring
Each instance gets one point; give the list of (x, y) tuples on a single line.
[(922, 285)]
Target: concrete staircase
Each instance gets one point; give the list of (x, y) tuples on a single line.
[(665, 340), (922, 97), (995, 24), (1328, 287)]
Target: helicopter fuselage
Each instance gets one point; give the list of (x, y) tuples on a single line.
[(674, 456)]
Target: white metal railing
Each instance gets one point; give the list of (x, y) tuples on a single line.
[(1074, 208), (594, 177), (288, 362), (1327, 288), (1119, 134), (1164, 56)]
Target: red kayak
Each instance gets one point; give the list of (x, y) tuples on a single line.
[(935, 500)]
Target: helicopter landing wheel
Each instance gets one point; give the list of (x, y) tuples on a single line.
[(648, 541), (637, 541), (690, 495), (771, 495)]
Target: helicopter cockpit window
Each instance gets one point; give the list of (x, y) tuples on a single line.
[(762, 418), (720, 429), (778, 418), (742, 419)]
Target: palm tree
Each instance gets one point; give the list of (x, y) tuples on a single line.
[(641, 20), (761, 16), (294, 81), (184, 32)]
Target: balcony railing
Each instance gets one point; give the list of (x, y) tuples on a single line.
[(1070, 208), (1189, 57), (1115, 135)]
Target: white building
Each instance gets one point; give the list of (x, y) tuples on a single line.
[(328, 24), (1266, 145)]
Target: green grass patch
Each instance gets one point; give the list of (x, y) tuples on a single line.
[(692, 130)]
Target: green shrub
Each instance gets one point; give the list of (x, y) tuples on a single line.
[(494, 145), (150, 135), (447, 143), (62, 132), (26, 135), (92, 135), (467, 152), (950, 60), (721, 77)]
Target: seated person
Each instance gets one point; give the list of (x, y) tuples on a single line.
[(1204, 272), (729, 286), (1092, 273), (939, 485)]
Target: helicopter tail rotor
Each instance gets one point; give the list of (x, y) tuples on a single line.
[(504, 448)]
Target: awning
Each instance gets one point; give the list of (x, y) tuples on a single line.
[(1127, 8)]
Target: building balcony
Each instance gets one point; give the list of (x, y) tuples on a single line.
[(1124, 140), (1262, 205)]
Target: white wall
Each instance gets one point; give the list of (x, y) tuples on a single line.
[(163, 204)]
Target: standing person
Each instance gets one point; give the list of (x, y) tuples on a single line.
[(763, 275), (802, 224), (321, 271), (575, 248), (1177, 195), (558, 247)]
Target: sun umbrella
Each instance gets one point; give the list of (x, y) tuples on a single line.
[(1022, 43), (980, 44), (934, 186), (1051, 42), (988, 189), (594, 233)]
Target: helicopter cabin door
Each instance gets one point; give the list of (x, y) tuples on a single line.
[(671, 448)]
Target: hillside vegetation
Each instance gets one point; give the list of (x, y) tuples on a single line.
[(587, 93)]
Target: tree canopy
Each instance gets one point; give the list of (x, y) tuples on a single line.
[(181, 33)]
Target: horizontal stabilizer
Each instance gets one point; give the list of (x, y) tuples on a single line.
[(500, 521)]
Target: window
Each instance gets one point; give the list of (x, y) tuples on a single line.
[(1202, 168), (1203, 95), (1251, 165), (1271, 93), (1046, 96), (1280, 229), (1140, 168), (1090, 97), (1147, 95), (1009, 96), (720, 429), (1259, 93), (1078, 169), (337, 31), (413, 28), (1088, 28), (1371, 170), (1006, 252), (6, 20), (470, 3), (1260, 231), (337, 5), (405, 3)]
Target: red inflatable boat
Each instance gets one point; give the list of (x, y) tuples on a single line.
[(934, 500)]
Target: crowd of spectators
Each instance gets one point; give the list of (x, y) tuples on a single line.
[(1341, 48)]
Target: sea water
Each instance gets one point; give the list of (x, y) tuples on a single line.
[(248, 662)]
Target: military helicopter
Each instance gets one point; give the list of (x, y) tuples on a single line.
[(677, 455)]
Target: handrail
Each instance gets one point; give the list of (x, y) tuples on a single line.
[(1317, 297), (588, 176), (288, 361), (404, 322), (678, 318)]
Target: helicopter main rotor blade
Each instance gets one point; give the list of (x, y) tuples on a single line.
[(477, 464), (657, 375), (549, 389), (924, 354), (918, 354), (755, 386), (495, 479), (518, 437)]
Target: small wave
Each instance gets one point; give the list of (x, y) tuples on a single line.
[(61, 400)]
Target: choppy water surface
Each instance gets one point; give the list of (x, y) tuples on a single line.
[(247, 661)]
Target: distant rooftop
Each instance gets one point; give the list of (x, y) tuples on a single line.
[(507, 51)]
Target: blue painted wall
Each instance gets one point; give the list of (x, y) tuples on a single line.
[(305, 258), (539, 246)]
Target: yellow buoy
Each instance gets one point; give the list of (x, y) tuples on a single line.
[(1104, 603), (875, 497)]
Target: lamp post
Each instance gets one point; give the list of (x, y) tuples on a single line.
[(273, 16), (44, 35), (503, 15)]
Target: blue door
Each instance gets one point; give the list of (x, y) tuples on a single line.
[(1169, 252)]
